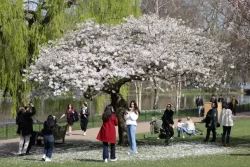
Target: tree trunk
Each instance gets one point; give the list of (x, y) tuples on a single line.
[(156, 98), (120, 106)]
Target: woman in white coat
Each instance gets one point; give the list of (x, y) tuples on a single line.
[(226, 120)]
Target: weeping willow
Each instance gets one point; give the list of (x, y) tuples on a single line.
[(21, 33)]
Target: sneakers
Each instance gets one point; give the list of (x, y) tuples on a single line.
[(183, 137), (227, 145), (47, 159), (113, 160), (105, 160), (223, 144), (84, 133), (44, 157)]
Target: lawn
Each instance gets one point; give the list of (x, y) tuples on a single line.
[(188, 152)]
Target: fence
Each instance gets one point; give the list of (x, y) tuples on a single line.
[(8, 130)]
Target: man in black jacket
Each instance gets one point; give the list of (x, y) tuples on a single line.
[(168, 123), (25, 127)]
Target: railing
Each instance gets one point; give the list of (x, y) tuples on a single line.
[(8, 130)]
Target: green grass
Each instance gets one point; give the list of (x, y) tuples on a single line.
[(240, 156)]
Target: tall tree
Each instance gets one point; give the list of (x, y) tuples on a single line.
[(24, 25), (99, 58)]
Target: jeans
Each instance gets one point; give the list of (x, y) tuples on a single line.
[(179, 131), (106, 151), (131, 129), (226, 133), (48, 145), (199, 109), (190, 132)]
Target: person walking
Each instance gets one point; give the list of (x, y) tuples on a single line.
[(131, 117), (211, 122), (107, 133), (84, 117), (234, 102), (168, 123), (199, 104), (25, 127), (69, 114), (226, 120), (48, 128)]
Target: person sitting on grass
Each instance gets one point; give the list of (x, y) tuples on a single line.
[(188, 127)]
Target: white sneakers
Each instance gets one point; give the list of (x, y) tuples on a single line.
[(112, 160), (84, 133), (183, 137), (46, 159)]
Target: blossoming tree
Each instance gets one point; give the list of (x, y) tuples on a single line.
[(101, 58)]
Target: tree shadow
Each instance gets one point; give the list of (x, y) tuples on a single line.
[(89, 160), (239, 154)]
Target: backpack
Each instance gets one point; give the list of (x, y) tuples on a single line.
[(75, 116)]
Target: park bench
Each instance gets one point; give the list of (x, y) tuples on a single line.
[(59, 134)]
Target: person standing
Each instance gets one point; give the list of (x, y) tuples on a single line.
[(48, 128), (213, 99), (168, 123), (107, 133), (234, 104), (131, 117), (69, 115), (211, 122), (25, 127), (84, 117), (199, 104), (226, 120)]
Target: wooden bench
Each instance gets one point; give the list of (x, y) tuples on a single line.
[(59, 134)]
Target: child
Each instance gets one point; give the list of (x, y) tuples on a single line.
[(107, 133), (48, 128), (179, 128)]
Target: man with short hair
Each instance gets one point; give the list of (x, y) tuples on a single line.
[(168, 123)]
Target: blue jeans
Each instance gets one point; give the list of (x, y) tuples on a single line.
[(180, 131), (48, 145), (190, 132), (199, 109), (106, 150), (131, 129)]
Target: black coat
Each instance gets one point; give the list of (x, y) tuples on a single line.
[(211, 118), (86, 114), (26, 127), (167, 118)]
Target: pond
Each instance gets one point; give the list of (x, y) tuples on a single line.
[(58, 106)]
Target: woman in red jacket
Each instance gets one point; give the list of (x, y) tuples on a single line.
[(107, 133)]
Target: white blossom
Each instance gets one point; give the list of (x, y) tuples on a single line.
[(94, 55)]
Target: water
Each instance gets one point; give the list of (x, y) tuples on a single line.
[(58, 106)]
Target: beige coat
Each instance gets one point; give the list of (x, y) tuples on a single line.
[(226, 117)]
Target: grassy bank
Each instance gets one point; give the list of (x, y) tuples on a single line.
[(188, 152)]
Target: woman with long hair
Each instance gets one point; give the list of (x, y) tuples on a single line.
[(131, 117), (48, 128), (69, 114), (107, 133)]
